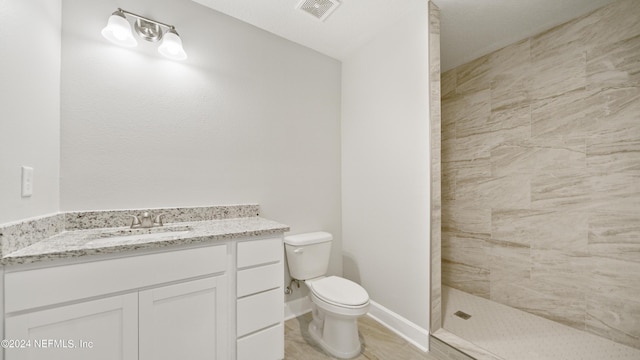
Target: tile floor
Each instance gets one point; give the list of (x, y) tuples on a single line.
[(379, 343), (513, 334)]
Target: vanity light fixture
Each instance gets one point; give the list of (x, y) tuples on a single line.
[(118, 31)]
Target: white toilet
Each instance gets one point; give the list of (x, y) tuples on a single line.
[(336, 302)]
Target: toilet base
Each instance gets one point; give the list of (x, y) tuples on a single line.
[(336, 334)]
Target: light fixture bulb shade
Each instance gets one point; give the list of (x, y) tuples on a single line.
[(171, 46), (118, 31)]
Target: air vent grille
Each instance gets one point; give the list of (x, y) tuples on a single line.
[(319, 9)]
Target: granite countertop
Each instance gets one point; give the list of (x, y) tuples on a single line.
[(93, 241)]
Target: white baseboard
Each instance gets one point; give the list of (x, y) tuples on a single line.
[(404, 328), (297, 307)]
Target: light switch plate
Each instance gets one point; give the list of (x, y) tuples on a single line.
[(27, 181)]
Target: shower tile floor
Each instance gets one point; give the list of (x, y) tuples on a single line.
[(514, 334)]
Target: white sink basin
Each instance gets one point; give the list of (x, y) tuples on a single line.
[(134, 238)]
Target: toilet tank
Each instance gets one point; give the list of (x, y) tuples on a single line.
[(308, 254)]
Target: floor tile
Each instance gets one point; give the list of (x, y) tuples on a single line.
[(379, 343)]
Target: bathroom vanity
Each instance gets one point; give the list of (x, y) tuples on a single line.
[(211, 290)]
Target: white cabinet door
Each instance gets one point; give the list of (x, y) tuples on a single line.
[(105, 329), (185, 321)]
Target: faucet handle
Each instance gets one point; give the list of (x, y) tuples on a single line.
[(158, 219), (135, 222)]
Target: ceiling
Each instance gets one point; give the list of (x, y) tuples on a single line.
[(469, 28)]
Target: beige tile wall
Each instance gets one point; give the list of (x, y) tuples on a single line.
[(541, 174)]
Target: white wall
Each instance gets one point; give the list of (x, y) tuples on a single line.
[(385, 167), (29, 106), (248, 118)]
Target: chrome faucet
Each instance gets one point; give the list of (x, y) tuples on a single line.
[(146, 220)]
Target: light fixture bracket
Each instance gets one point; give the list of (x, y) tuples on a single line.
[(148, 30)]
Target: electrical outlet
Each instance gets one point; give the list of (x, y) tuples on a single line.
[(27, 181)]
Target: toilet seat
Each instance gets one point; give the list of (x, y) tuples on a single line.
[(340, 292)]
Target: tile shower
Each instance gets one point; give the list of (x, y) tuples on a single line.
[(541, 174)]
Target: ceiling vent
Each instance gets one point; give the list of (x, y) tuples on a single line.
[(319, 9)]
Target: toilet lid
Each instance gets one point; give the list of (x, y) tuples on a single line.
[(339, 291)]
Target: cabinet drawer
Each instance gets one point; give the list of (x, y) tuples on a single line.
[(267, 344), (260, 311), (47, 286), (254, 280), (251, 253)]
